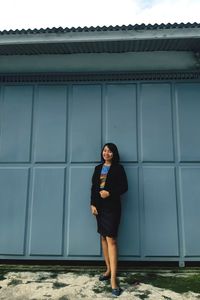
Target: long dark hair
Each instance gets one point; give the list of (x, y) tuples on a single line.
[(113, 148)]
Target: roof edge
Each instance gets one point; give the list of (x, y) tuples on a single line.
[(103, 28)]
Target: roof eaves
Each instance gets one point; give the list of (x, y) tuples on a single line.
[(101, 34), (103, 28)]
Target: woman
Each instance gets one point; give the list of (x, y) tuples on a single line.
[(109, 182)]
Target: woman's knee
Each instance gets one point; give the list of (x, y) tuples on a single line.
[(111, 241)]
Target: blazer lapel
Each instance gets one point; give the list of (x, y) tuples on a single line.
[(108, 176), (99, 174)]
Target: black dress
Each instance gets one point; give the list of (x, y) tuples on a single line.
[(109, 209)]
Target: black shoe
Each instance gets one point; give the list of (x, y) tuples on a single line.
[(116, 292), (104, 277)]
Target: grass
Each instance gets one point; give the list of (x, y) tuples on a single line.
[(15, 282), (63, 298), (2, 275), (105, 288), (42, 277), (59, 285), (173, 283), (179, 284), (143, 295), (89, 273), (53, 275)]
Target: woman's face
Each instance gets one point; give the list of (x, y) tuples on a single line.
[(107, 154)]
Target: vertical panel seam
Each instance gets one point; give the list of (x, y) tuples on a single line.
[(32, 170), (66, 175), (179, 206), (65, 179), (103, 96), (2, 96), (104, 115), (29, 183), (1, 111), (140, 185)]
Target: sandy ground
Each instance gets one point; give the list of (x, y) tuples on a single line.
[(70, 285)]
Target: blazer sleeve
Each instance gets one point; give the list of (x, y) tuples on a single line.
[(121, 185), (93, 199)]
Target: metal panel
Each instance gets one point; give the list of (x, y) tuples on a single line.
[(85, 112), (47, 216), (83, 239), (190, 191), (121, 119), (13, 197), (129, 234), (160, 212), (156, 110), (188, 102), (16, 121), (50, 124), (47, 211)]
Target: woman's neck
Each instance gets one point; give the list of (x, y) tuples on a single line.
[(107, 163)]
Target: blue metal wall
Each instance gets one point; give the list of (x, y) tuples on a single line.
[(50, 141)]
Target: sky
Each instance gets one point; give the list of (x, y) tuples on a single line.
[(25, 14)]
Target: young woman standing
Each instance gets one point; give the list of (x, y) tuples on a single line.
[(109, 182)]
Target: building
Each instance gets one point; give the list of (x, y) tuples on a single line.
[(63, 94)]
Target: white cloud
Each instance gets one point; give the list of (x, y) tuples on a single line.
[(172, 11), (68, 13)]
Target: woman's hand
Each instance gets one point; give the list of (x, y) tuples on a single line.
[(94, 210), (104, 194)]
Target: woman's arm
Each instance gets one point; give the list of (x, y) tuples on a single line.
[(93, 189), (94, 210), (120, 186)]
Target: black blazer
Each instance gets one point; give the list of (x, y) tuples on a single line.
[(116, 184)]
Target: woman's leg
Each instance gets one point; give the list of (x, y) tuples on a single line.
[(105, 254), (112, 252)]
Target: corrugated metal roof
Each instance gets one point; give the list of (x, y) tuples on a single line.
[(118, 76), (101, 47), (112, 39), (103, 28)]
